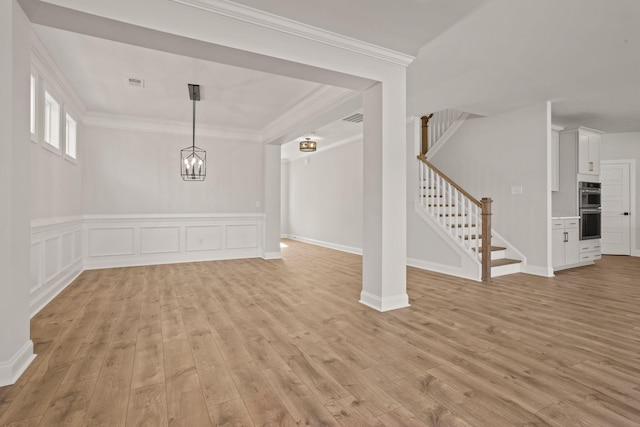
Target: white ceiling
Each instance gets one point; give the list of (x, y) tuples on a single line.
[(231, 97), (480, 56), (584, 55)]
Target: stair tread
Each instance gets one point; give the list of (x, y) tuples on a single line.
[(504, 261), (495, 248)]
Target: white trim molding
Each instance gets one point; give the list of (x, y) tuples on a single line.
[(386, 303), (330, 245), (298, 29), (142, 124), (11, 370), (451, 270), (145, 239)]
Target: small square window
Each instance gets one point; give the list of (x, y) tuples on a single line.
[(51, 120), (72, 138)]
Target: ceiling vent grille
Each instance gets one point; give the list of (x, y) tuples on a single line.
[(136, 82), (354, 118)]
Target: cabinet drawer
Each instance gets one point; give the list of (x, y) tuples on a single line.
[(587, 256), (596, 255), (590, 246), (571, 223), (557, 224)]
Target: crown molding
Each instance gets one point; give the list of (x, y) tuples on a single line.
[(298, 29), (46, 66), (142, 124), (319, 101)]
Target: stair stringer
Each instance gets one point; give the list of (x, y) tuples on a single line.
[(469, 268), (511, 252), (446, 135)]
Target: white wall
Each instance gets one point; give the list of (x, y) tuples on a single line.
[(325, 197), (488, 156), (135, 172), (622, 146), (56, 184), (16, 349)]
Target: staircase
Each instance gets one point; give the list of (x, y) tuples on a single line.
[(463, 218)]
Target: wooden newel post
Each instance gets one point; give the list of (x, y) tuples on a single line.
[(486, 238), (425, 134)]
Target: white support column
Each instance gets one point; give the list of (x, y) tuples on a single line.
[(384, 202), (272, 165), (16, 349)]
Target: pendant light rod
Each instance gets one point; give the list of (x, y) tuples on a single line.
[(194, 95), (193, 128)]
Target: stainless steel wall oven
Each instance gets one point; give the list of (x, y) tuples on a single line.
[(589, 208)]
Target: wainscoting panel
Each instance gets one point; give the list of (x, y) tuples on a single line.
[(111, 241), (55, 257), (161, 239), (203, 238), (66, 252), (242, 236), (51, 257)]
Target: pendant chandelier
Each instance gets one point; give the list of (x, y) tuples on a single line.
[(193, 160), (307, 145)]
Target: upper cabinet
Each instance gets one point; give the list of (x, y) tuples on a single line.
[(588, 153), (587, 145)]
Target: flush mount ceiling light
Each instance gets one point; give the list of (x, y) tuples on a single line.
[(307, 145), (193, 160)]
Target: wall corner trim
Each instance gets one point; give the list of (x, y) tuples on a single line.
[(11, 370), (272, 255), (386, 303)]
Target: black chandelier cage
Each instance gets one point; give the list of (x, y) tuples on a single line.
[(193, 160)]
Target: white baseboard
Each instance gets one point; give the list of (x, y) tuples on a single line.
[(176, 258), (442, 268), (336, 246), (11, 370), (272, 255), (537, 270), (635, 252), (284, 236), (384, 303)]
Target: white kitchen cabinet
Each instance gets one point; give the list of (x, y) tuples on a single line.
[(578, 161), (565, 244), (590, 250), (588, 153)]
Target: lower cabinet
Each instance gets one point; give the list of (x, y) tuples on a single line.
[(566, 246), (590, 250), (568, 249)]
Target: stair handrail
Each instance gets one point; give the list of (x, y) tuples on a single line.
[(450, 181), (482, 252)]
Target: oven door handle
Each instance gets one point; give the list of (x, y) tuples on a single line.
[(591, 211)]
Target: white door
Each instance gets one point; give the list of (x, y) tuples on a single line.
[(615, 208)]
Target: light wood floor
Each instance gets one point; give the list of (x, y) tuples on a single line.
[(253, 342)]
